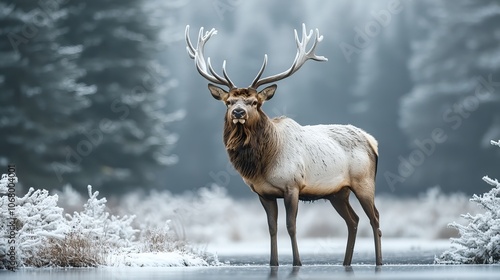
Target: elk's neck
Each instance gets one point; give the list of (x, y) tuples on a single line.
[(251, 148)]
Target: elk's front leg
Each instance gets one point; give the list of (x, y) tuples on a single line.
[(271, 208), (291, 205)]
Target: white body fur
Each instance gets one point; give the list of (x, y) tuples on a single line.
[(320, 159)]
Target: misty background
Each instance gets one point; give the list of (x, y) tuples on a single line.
[(104, 93)]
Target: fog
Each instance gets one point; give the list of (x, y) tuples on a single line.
[(396, 69), (105, 93)]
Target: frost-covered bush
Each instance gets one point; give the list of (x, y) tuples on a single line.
[(160, 239), (479, 241), (4, 219), (44, 236), (39, 219), (110, 232), (91, 235)]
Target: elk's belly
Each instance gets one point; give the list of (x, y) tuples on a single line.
[(324, 186), (310, 188), (314, 178)]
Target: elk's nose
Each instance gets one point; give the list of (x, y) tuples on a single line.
[(238, 113)]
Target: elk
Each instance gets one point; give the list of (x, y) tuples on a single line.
[(278, 158)]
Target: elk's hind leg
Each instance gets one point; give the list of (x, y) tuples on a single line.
[(340, 202), (365, 192)]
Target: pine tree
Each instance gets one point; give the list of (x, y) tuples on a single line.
[(454, 70), (39, 92), (383, 78), (479, 241), (125, 141)]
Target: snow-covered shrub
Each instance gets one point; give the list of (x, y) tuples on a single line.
[(160, 239), (91, 235), (4, 219), (94, 222), (39, 218), (479, 241), (44, 236)]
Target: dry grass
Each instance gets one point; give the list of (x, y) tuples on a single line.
[(75, 250), (160, 240)]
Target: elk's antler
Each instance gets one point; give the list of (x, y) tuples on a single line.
[(199, 59), (300, 58)]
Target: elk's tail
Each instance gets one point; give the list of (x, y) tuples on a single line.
[(374, 146), (372, 141)]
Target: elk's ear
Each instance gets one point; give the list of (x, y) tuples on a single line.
[(268, 92), (217, 92)]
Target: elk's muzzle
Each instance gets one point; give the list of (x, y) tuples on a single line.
[(239, 115)]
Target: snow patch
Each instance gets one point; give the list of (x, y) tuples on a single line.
[(156, 259)]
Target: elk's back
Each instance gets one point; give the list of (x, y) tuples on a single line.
[(321, 159)]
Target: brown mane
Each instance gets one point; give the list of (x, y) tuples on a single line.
[(253, 147)]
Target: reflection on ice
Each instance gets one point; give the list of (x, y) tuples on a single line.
[(265, 272), (400, 262)]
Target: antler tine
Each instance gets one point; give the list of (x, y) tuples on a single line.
[(301, 57), (190, 49), (217, 76), (205, 68), (231, 84), (260, 71)]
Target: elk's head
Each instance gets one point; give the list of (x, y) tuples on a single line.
[(243, 104)]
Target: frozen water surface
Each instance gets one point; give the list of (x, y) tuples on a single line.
[(264, 272), (322, 259)]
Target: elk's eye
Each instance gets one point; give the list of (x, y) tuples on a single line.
[(254, 103), (228, 103)]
